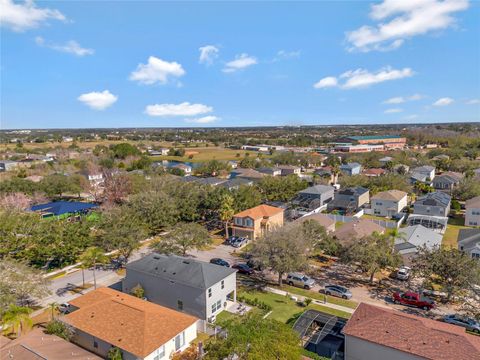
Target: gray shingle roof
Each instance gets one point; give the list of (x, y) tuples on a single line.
[(417, 236), (317, 189), (436, 198), (190, 272)]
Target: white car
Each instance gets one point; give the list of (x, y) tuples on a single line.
[(403, 273)]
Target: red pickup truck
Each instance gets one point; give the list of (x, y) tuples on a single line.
[(413, 299)]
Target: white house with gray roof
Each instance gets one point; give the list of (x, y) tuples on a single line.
[(433, 204), (414, 237), (318, 195), (388, 203), (195, 287), (469, 242), (472, 212), (424, 174)]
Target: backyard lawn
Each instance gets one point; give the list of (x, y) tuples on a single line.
[(451, 234), (283, 308), (373, 217)]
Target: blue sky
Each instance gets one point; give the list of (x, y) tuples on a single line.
[(137, 64)]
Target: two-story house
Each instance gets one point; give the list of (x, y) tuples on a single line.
[(351, 169), (316, 196), (469, 242), (388, 203), (472, 212), (255, 222), (447, 181), (433, 204), (105, 318), (424, 174), (290, 170), (195, 287), (349, 200)]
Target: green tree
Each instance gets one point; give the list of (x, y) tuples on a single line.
[(253, 338), (319, 237), (281, 188), (114, 353), (53, 306), (123, 150), (454, 270), (226, 210), (246, 197), (92, 257), (372, 253), (18, 319), (283, 250), (138, 291), (184, 237)]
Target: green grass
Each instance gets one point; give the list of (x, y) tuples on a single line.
[(202, 154), (451, 234), (283, 308), (318, 296), (373, 217)]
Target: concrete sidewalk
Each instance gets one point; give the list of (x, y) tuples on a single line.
[(317, 302)]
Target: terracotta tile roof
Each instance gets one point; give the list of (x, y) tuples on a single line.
[(429, 339), (473, 203), (374, 171), (395, 195), (357, 229), (132, 324), (36, 345), (260, 211)]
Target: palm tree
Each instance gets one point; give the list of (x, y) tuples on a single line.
[(226, 210), (92, 257), (18, 318), (53, 308)]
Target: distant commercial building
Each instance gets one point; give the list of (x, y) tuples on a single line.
[(390, 141)]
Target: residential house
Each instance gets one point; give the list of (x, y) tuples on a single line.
[(212, 181), (433, 204), (378, 333), (401, 169), (472, 212), (385, 160), (414, 237), (8, 165), (95, 177), (322, 219), (389, 203), (325, 171), (257, 221), (37, 345), (235, 183), (272, 171), (195, 287), (469, 242), (290, 170), (233, 164), (187, 169), (374, 172), (159, 152), (106, 318), (316, 196), (351, 169), (357, 229), (250, 174), (424, 174), (349, 200), (447, 181)]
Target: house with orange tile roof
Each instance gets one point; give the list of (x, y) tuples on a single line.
[(257, 221), (106, 318), (355, 230), (377, 333)]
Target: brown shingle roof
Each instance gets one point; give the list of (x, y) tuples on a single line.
[(260, 211), (36, 345), (322, 219), (395, 195), (429, 339), (473, 203), (129, 323), (357, 229)]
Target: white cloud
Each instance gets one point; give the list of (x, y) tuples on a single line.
[(402, 99), (393, 111), (71, 47), (23, 16), (362, 78), (329, 81), (208, 54), (203, 120), (98, 100), (399, 20), (241, 61), (286, 55), (157, 71), (443, 101), (473, 102), (183, 109)]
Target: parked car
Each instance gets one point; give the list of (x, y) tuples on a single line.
[(64, 308), (339, 291), (300, 280), (243, 269), (403, 273), (413, 299), (232, 239), (255, 265), (218, 261), (238, 242), (463, 321)]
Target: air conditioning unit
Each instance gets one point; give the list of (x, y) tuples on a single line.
[(212, 319)]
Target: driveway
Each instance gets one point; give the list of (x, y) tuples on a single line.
[(225, 252)]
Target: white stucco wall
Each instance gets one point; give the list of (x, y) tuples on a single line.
[(230, 284), (471, 217), (190, 335)]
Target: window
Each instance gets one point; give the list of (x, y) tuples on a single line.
[(238, 221), (248, 222), (95, 344), (180, 304), (179, 341), (210, 292), (216, 306), (223, 284), (219, 304), (159, 353)]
